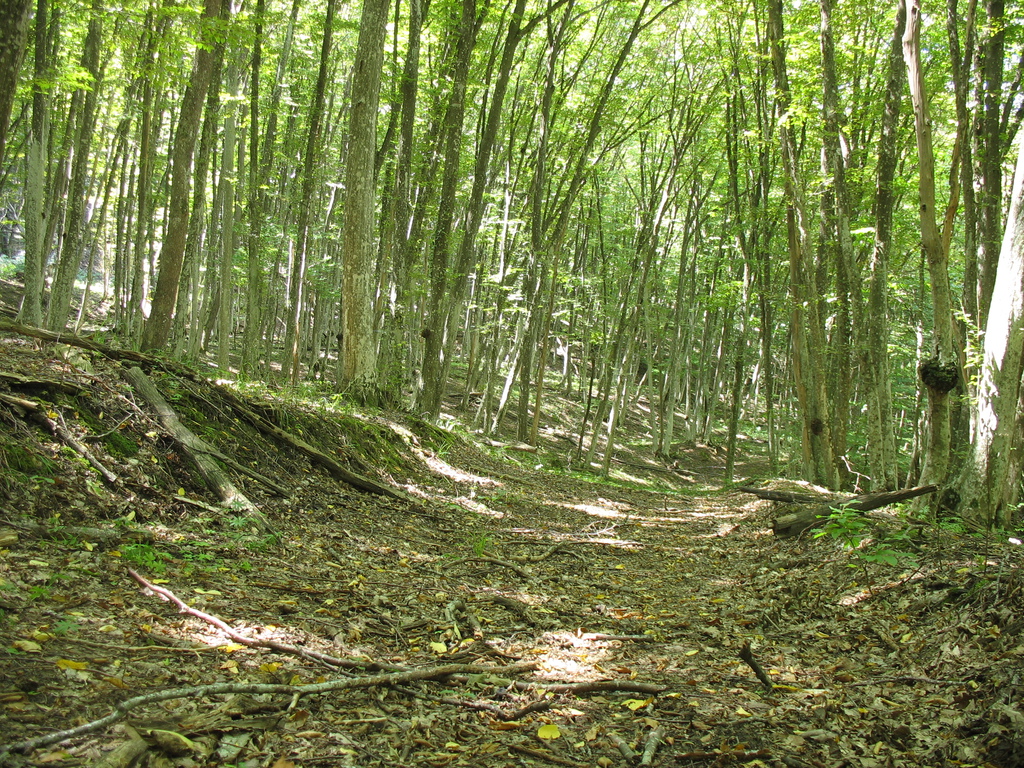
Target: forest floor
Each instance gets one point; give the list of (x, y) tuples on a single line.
[(487, 613)]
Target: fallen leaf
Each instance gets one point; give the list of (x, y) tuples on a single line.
[(548, 732), (69, 664)]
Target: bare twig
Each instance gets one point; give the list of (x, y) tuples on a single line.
[(545, 756), (747, 655)]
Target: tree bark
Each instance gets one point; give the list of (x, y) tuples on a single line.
[(13, 37), (158, 327), (989, 486), (805, 325), (940, 372), (359, 344), (75, 224), (881, 435)]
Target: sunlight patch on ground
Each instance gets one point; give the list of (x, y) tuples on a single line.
[(473, 505), (445, 469)]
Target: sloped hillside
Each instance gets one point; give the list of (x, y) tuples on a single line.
[(289, 582)]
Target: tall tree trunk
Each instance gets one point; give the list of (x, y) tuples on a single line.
[(989, 156), (989, 486), (940, 372), (290, 364), (359, 343), (436, 343), (158, 327), (35, 183), (398, 335), (881, 433), (74, 225), (805, 326), (840, 244)]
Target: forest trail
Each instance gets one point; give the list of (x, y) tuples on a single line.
[(609, 616)]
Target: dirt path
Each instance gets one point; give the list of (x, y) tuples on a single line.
[(632, 605)]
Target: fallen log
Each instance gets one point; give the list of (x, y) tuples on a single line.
[(804, 511), (195, 448)]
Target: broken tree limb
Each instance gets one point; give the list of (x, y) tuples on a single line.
[(805, 511), (201, 691), (78, 341), (35, 412), (333, 467), (194, 447), (748, 656)]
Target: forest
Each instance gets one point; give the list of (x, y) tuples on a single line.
[(781, 220), (511, 383)]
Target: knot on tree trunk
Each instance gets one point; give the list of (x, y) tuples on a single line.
[(938, 376)]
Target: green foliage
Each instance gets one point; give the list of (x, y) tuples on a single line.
[(481, 544), (144, 556), (858, 535)]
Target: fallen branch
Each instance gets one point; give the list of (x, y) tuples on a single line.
[(195, 447), (817, 508), (241, 639), (35, 412), (333, 467), (80, 341), (747, 655), (651, 744), (194, 692)]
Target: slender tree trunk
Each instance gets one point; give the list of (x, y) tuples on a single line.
[(13, 36), (940, 372), (158, 327), (989, 157), (291, 364), (35, 183), (75, 225), (882, 455), (435, 333), (805, 326), (227, 220)]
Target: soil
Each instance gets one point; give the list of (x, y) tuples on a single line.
[(493, 611)]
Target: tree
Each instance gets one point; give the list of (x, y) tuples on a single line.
[(158, 326), (359, 343), (940, 373), (990, 484), (13, 35)]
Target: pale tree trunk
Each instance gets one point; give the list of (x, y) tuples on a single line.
[(75, 224), (990, 485), (259, 311), (436, 344), (227, 181), (359, 344), (882, 455), (158, 327), (13, 36), (940, 373)]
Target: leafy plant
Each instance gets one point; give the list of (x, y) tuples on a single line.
[(854, 531), (482, 544), (144, 556)]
